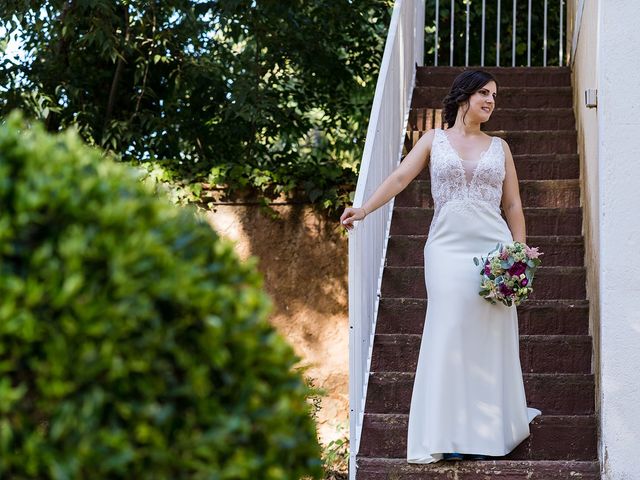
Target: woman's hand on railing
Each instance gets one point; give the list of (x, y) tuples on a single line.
[(350, 215)]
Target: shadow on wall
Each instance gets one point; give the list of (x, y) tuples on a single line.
[(303, 258)]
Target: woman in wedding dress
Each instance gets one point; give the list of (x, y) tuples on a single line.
[(468, 396)]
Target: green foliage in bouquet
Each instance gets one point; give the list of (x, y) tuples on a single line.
[(133, 343)]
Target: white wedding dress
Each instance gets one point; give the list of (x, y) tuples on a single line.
[(468, 394)]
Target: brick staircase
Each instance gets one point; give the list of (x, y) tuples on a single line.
[(534, 114)]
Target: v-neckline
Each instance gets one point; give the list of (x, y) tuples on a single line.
[(460, 159)]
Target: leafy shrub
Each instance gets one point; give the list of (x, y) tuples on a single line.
[(133, 343)]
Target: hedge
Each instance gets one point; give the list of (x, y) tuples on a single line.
[(133, 342)]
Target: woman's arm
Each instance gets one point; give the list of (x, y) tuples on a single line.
[(511, 203), (409, 168)]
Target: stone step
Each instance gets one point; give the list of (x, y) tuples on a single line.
[(408, 250), (508, 97), (505, 76), (553, 394), (369, 468), (553, 437), (530, 142), (538, 353), (535, 317), (539, 221), (533, 193), (423, 119), (539, 167), (549, 283)]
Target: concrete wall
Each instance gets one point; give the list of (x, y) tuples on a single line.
[(610, 141), (619, 178)]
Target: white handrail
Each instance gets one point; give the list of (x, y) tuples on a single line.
[(576, 30), (404, 49)]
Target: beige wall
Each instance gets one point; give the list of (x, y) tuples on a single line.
[(303, 260), (584, 76)]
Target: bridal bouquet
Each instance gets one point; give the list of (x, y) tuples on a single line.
[(507, 273)]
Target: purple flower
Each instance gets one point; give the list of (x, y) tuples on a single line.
[(524, 282), (505, 290), (517, 269), (487, 269)]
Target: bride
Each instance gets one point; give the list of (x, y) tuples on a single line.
[(468, 395)]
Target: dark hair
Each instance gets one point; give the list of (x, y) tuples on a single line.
[(464, 85)]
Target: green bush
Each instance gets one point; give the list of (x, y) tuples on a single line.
[(133, 343)]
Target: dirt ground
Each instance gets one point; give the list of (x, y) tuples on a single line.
[(303, 260)]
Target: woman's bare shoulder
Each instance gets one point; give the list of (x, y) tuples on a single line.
[(425, 143), (504, 143)]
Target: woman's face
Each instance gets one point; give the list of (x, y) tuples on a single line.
[(482, 102)]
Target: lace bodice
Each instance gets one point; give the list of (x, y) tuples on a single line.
[(449, 179)]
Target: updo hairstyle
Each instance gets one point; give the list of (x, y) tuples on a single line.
[(464, 85)]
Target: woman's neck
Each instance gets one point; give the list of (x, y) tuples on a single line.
[(466, 130)]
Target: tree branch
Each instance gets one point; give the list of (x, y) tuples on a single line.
[(116, 77)]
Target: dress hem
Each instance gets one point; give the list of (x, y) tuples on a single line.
[(531, 414)]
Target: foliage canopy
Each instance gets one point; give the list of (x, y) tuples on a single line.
[(261, 94)]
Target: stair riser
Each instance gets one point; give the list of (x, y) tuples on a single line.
[(563, 440), (529, 143), (535, 356), (387, 469), (422, 119), (522, 120), (391, 393), (505, 76), (541, 169), (408, 251), (538, 167), (544, 194), (407, 316), (416, 221), (508, 97), (408, 282)]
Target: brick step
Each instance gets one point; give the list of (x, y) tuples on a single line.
[(534, 193), (525, 141), (538, 353), (531, 119), (535, 317), (553, 394), (508, 97), (398, 469), (540, 221), (553, 437), (505, 76), (539, 167), (549, 283), (408, 250), (422, 119)]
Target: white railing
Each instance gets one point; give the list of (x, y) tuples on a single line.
[(579, 9), (404, 49), (514, 28)]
